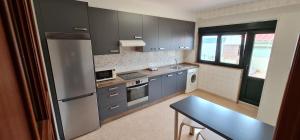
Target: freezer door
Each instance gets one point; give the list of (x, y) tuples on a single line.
[(79, 116), (72, 67)]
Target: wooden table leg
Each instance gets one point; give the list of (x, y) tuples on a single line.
[(176, 126)]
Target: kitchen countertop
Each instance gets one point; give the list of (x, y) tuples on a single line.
[(161, 71)]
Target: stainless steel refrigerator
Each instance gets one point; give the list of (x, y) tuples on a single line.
[(73, 72)]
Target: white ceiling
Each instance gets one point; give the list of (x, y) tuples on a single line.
[(198, 5)]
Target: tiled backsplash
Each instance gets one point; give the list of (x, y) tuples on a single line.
[(129, 59)]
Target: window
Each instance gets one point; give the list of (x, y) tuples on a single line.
[(234, 45), (209, 45), (230, 49), (261, 55), (222, 49)]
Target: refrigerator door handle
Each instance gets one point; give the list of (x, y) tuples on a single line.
[(78, 97)]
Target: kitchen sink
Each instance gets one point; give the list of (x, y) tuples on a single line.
[(176, 67)]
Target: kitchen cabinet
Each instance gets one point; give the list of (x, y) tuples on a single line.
[(150, 33), (155, 88), (64, 16), (104, 31), (176, 34), (112, 101), (187, 33), (130, 26), (181, 80), (169, 84), (165, 33)]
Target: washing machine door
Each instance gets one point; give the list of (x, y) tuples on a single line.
[(193, 78)]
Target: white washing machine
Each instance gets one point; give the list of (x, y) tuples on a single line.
[(192, 82)]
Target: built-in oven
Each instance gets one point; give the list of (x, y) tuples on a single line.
[(137, 91)]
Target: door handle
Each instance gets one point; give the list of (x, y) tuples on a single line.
[(114, 107), (170, 75), (137, 87), (80, 29), (75, 98), (137, 37), (112, 89), (161, 48), (114, 94), (180, 73), (114, 51), (152, 79)]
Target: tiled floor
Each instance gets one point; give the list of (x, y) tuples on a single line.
[(156, 122)]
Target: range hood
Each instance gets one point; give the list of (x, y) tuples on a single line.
[(132, 43)]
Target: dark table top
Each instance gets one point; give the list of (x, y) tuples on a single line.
[(225, 122)]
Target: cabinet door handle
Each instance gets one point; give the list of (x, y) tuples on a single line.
[(137, 37), (161, 48), (114, 107), (152, 79), (112, 89), (80, 29), (170, 75), (181, 47), (114, 94), (114, 51), (180, 73)]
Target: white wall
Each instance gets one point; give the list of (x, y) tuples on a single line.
[(221, 81), (153, 8), (287, 31)]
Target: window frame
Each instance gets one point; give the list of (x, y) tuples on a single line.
[(218, 49), (236, 29)]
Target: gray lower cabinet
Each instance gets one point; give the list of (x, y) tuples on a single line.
[(104, 30), (155, 88), (64, 16), (169, 84), (112, 101), (150, 33), (181, 80), (130, 26)]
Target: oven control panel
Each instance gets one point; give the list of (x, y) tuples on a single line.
[(137, 82)]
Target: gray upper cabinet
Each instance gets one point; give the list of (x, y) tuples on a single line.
[(150, 33), (64, 16), (181, 80), (189, 35), (176, 34), (104, 30), (130, 26), (155, 88), (165, 34)]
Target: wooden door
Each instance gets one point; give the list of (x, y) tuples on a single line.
[(288, 123), (24, 100)]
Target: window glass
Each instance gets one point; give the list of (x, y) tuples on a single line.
[(208, 48), (230, 49), (261, 55)]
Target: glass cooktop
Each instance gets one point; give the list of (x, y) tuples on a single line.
[(131, 75)]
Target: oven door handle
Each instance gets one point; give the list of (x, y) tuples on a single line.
[(141, 86)]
